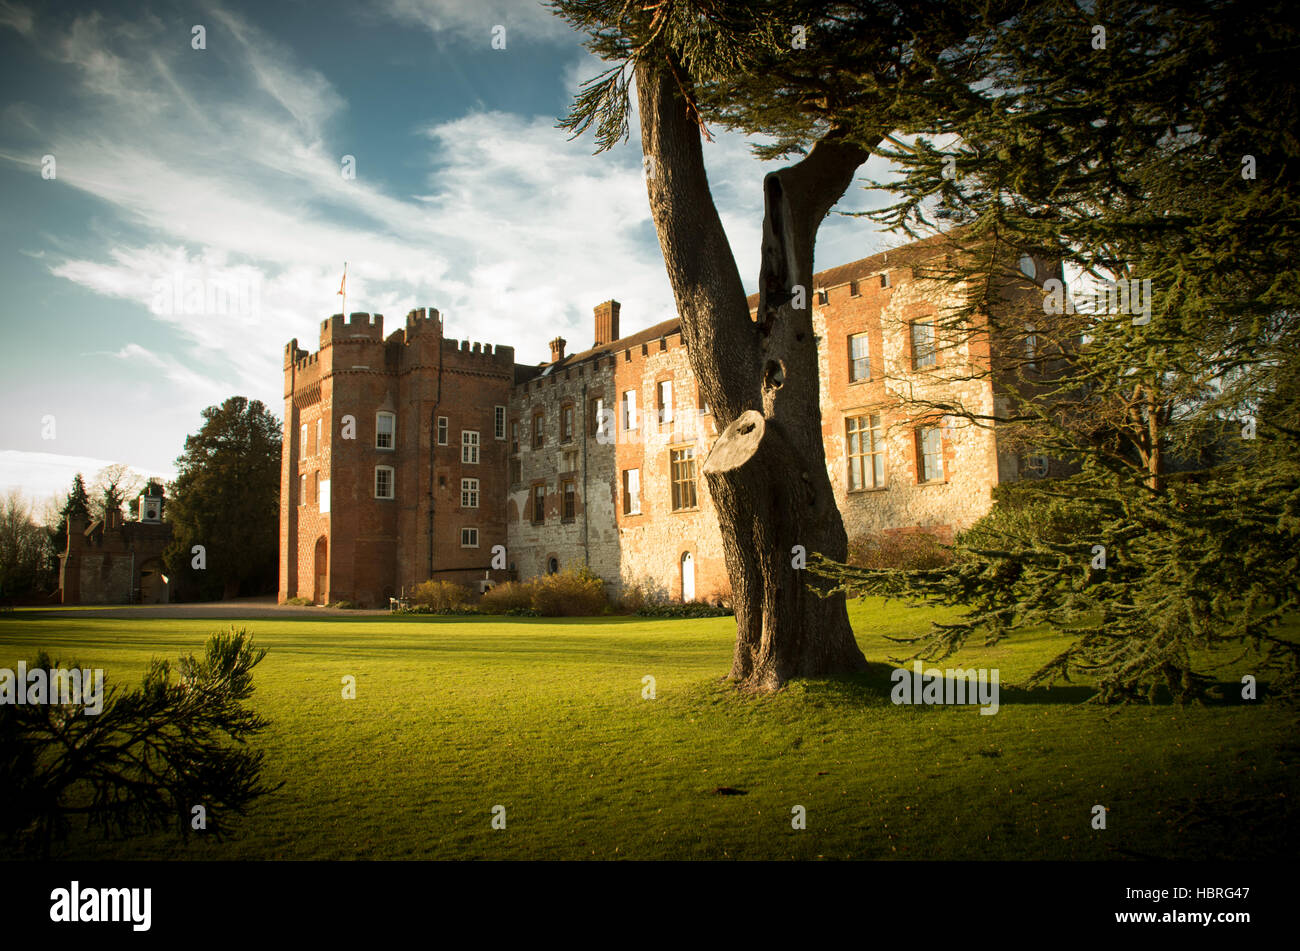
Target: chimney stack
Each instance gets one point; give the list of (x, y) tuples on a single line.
[(557, 349), (606, 323)]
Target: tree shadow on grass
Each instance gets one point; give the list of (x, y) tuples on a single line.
[(875, 687)]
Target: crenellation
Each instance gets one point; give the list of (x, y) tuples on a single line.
[(573, 461)]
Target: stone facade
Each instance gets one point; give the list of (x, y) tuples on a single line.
[(595, 458), (115, 561)]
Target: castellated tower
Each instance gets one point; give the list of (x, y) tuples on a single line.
[(412, 457), (394, 459)]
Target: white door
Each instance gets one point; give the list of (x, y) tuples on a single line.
[(688, 577)]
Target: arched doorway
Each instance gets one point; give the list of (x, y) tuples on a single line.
[(688, 576), (153, 582), (552, 565), (322, 570)]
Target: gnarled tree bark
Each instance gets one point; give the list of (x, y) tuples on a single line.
[(767, 470)]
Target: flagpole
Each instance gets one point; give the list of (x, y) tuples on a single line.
[(343, 289)]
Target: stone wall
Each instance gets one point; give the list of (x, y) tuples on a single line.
[(585, 459)]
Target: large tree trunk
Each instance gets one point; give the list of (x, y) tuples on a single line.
[(767, 471)]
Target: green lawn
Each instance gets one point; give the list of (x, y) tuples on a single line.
[(546, 718)]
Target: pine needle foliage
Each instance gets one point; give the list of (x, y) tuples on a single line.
[(1167, 156), (142, 763)]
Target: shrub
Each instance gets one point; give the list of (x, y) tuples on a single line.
[(510, 597), (1028, 515), (142, 758), (688, 609), (441, 597), (573, 592), (345, 605), (913, 551), (300, 601)]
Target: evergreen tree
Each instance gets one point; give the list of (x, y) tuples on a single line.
[(76, 504), (139, 760), (226, 499), (1162, 151)]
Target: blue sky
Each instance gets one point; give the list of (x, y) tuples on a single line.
[(219, 170)]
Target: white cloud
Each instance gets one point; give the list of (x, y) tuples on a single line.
[(517, 232), (46, 475), (526, 21)]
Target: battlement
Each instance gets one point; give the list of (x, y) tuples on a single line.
[(359, 326), (638, 352), (499, 354), (293, 353), (420, 316), (362, 329)]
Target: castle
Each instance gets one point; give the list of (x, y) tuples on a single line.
[(415, 456)]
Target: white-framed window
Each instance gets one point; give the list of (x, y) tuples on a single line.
[(469, 538), (469, 493), (319, 430), (665, 398), (499, 422), (865, 452), (859, 358), (302, 442), (569, 460), (922, 344), (629, 409), (385, 430), (884, 279), (442, 430), (469, 446), (302, 489), (929, 454), (383, 482), (631, 491)]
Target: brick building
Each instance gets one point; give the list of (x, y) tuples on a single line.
[(412, 457), (117, 561)]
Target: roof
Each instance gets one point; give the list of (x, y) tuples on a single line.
[(905, 256), (524, 372)]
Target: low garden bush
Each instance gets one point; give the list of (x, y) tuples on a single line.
[(913, 551), (679, 609), (440, 597), (509, 597), (574, 592)]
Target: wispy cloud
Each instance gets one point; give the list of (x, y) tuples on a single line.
[(526, 21), (223, 166)]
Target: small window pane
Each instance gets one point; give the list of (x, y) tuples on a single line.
[(859, 358), (384, 427)]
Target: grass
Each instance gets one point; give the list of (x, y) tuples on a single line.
[(546, 717)]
